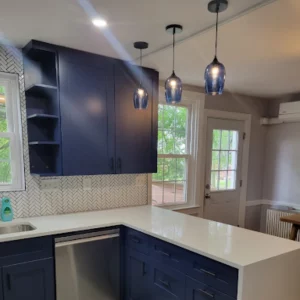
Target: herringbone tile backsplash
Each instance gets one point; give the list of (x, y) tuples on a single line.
[(108, 191)]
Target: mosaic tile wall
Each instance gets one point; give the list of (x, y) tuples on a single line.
[(108, 191)]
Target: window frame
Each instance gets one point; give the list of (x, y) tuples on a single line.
[(14, 132), (194, 101)]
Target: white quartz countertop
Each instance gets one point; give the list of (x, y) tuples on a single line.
[(233, 246)]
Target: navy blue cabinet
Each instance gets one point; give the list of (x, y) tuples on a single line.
[(167, 283), (32, 280), (137, 276), (81, 118), (87, 116), (136, 130), (168, 272), (1, 289), (196, 290)]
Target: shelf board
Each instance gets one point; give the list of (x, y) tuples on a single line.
[(41, 89), (43, 143), (41, 116), (46, 174)]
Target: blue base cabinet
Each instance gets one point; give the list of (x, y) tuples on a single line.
[(137, 276), (32, 280), (158, 270), (27, 270)]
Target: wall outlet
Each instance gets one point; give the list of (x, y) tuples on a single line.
[(87, 184), (140, 180), (50, 184)]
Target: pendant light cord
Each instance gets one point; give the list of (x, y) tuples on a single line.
[(141, 65), (217, 29), (174, 31)]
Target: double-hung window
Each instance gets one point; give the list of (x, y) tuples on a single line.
[(11, 154), (174, 182)]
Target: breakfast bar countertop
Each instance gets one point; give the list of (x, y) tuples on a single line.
[(231, 245)]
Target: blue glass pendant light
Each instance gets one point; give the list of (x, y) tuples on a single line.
[(140, 96), (173, 84), (215, 72)]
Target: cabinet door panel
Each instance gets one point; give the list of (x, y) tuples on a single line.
[(87, 118), (33, 280), (196, 290), (137, 276), (136, 130), (1, 290)]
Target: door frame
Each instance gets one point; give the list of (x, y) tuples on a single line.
[(218, 114)]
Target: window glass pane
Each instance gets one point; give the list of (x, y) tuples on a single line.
[(181, 118), (5, 167), (180, 142), (160, 143), (159, 176), (223, 160), (170, 169), (216, 139), (180, 192), (160, 116), (231, 180), (215, 160), (168, 140), (3, 120), (214, 181), (169, 117), (157, 193), (225, 140), (180, 172), (234, 140), (223, 180), (232, 164), (169, 192)]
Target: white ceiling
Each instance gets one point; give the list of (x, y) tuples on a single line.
[(260, 48)]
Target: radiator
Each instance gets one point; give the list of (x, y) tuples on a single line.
[(275, 227)]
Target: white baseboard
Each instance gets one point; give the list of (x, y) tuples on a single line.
[(273, 203)]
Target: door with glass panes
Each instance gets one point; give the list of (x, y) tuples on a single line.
[(223, 170)]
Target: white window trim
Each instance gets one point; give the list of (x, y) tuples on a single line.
[(13, 112), (196, 102)]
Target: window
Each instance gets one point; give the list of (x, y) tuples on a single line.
[(178, 129), (224, 159), (11, 154)]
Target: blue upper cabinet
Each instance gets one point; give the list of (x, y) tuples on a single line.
[(87, 114), (81, 117), (136, 130)]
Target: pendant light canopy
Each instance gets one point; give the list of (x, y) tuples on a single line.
[(173, 84), (215, 72), (140, 96)]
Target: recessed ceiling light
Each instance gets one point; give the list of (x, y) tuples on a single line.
[(99, 23)]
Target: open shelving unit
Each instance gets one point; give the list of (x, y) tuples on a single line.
[(43, 111)]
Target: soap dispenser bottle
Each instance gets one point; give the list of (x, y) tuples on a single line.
[(6, 210)]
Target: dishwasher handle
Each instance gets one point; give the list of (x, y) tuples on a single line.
[(86, 240)]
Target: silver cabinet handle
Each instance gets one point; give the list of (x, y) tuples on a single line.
[(206, 293), (87, 240)]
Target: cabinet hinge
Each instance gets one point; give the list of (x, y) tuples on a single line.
[(244, 135), (241, 183)]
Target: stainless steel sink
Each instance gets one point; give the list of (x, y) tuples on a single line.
[(16, 228)]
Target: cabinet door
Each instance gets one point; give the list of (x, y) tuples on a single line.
[(1, 289), (196, 290), (137, 276), (33, 280), (87, 117), (136, 130)]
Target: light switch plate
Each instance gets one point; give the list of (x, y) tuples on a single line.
[(87, 184), (50, 184)]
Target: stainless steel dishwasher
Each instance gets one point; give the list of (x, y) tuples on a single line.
[(88, 266)]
